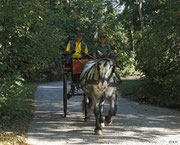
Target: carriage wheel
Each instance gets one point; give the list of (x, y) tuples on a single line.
[(65, 93)]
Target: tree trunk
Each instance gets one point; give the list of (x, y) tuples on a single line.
[(141, 17), (130, 38)]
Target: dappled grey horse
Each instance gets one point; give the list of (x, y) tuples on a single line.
[(98, 82)]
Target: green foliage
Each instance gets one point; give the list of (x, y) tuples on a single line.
[(16, 100), (16, 112), (27, 41), (24, 55), (156, 53), (34, 34), (159, 56)]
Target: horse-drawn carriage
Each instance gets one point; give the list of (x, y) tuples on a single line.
[(73, 73), (97, 79)]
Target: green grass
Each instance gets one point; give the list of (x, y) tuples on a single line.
[(15, 125), (130, 87), (134, 90)]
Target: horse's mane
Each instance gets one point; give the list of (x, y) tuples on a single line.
[(92, 70)]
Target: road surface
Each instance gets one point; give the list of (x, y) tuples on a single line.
[(134, 124)]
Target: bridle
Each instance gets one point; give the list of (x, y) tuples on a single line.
[(110, 76)]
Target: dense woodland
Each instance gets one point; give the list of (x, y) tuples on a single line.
[(34, 34)]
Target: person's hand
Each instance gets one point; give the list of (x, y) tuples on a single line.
[(84, 53), (68, 52), (73, 52)]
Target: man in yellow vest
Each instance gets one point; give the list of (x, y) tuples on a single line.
[(76, 49)]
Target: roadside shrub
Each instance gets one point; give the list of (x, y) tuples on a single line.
[(159, 56), (10, 97)]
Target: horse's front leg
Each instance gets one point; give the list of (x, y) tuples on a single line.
[(112, 110), (101, 106), (98, 130)]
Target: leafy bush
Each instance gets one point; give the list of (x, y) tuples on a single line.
[(28, 47), (16, 99), (28, 43), (159, 56), (16, 111), (10, 97)]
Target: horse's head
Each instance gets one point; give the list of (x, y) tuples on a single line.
[(106, 69), (101, 72)]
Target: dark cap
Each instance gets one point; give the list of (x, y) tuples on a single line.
[(79, 34)]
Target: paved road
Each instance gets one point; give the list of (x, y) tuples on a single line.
[(135, 124)]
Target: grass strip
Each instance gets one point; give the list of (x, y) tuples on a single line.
[(130, 87)]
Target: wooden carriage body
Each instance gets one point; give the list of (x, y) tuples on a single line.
[(78, 66)]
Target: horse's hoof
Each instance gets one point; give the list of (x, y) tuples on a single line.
[(98, 132), (86, 119), (102, 124), (108, 123)]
